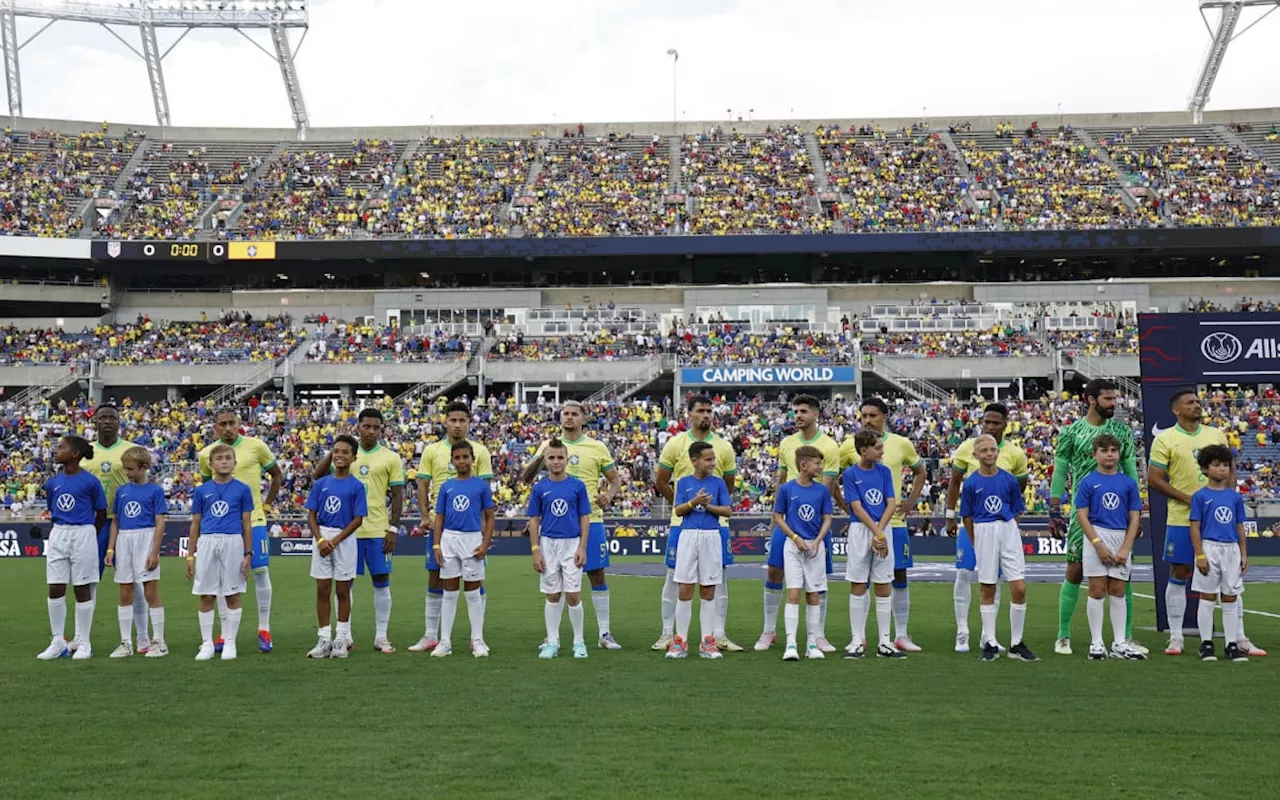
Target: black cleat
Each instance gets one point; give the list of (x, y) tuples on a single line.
[(990, 652), (1206, 652), (889, 651), (855, 652), (1020, 652), (1234, 653)]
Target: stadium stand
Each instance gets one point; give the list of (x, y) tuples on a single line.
[(353, 342)]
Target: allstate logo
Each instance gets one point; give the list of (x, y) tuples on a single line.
[(559, 508), (332, 505), (1224, 515), (806, 512), (364, 470), (993, 504), (133, 509), (875, 497), (1221, 347), (286, 546), (66, 502), (219, 509), (1111, 501), (461, 503), (106, 467)]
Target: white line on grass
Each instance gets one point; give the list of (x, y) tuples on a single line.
[(1247, 610)]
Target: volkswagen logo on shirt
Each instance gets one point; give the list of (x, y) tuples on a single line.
[(806, 512), (1224, 514), (1111, 501), (219, 508), (1221, 347), (993, 504), (133, 509), (332, 505), (559, 508), (66, 502), (461, 503), (875, 497)]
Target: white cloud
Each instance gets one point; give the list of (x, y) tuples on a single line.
[(401, 62)]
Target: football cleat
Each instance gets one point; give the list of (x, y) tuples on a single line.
[(664, 641), (1020, 652), (1062, 646), (579, 649), (1097, 651), (823, 645), (158, 650), (1206, 652), (1134, 644), (724, 643), (83, 653), (1249, 648), (814, 651), (962, 642), (708, 649), (889, 651), (548, 651), (264, 641), (57, 649), (1175, 646), (441, 650), (123, 651), (607, 643), (905, 644), (677, 649), (383, 646), (424, 645), (765, 641), (1126, 652), (479, 649), (217, 644), (855, 650), (207, 649), (792, 653), (229, 651), (989, 652), (144, 644), (339, 649), (1234, 653)]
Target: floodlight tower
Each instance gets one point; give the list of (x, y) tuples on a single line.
[(1221, 38), (275, 16)]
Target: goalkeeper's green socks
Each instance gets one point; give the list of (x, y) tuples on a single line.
[(1067, 597)]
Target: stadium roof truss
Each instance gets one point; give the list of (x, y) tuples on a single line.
[(275, 16), (1221, 38)]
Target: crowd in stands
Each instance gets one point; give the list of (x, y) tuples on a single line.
[(635, 433), (1246, 304), (363, 343), (1121, 341), (722, 343), (1001, 341)]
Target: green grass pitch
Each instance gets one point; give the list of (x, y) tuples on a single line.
[(621, 724)]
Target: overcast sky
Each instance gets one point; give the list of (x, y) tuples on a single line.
[(402, 62)]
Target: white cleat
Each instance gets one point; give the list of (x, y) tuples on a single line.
[(823, 645), (1125, 652), (766, 641), (144, 644), (383, 646), (962, 642), (158, 650), (724, 643), (1062, 646), (1175, 646), (792, 653), (479, 649), (441, 650), (1250, 649), (664, 641), (339, 649), (424, 645), (83, 653), (1098, 651), (229, 651), (814, 651), (321, 650), (1136, 646), (57, 649), (906, 645), (206, 652), (123, 651), (607, 642)]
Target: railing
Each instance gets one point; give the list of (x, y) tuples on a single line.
[(1091, 369), (430, 390), (921, 389), (34, 394), (623, 388), (233, 393)]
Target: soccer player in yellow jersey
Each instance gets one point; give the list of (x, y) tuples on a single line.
[(806, 410), (253, 458), (1010, 458), (1173, 471), (590, 462), (381, 472), (434, 469), (899, 456), (106, 466), (674, 464)]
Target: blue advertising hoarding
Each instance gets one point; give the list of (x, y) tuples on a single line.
[(766, 375)]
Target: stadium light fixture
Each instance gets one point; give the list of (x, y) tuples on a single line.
[(1220, 38), (275, 16), (675, 62)]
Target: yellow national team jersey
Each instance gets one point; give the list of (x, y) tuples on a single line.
[(378, 469), (253, 458), (106, 467), (899, 456), (589, 460), (1010, 458), (437, 465), (1175, 451), (830, 454), (675, 459)]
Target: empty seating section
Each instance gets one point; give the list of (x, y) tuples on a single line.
[(607, 186), (46, 177), (903, 180), (1200, 177), (458, 188), (751, 183)]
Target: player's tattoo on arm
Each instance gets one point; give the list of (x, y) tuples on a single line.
[(531, 469)]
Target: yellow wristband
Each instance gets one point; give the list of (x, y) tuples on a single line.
[(1095, 541), (535, 548), (109, 550), (1202, 556), (191, 558)]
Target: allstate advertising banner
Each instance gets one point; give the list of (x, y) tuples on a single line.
[(766, 375), (1182, 351)]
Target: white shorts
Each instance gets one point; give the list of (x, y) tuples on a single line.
[(71, 555), (340, 565), (997, 547), (219, 559), (132, 548), (1224, 570), (562, 574), (802, 570), (455, 558), (1093, 566), (700, 558), (863, 565)]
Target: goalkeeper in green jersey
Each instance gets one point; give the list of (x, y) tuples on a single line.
[(1073, 455)]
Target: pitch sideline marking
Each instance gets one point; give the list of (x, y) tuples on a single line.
[(1247, 610)]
